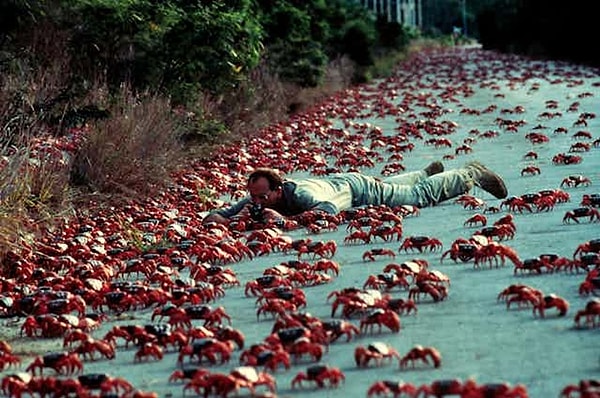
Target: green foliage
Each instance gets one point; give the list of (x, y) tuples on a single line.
[(358, 40), (180, 46), (298, 61), (302, 37), (17, 16), (212, 46)]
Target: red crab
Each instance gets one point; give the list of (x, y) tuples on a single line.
[(464, 149), (337, 328), (294, 295), (525, 297), (354, 300), (62, 362), (287, 336), (319, 249), (249, 377), (537, 138), (395, 388), (15, 385), (592, 246), (500, 231), (530, 170), (90, 346), (320, 374), (582, 212), (357, 236), (148, 351), (499, 390), (304, 346), (257, 286), (590, 312), (592, 200), (411, 267), (531, 155), (387, 232), (591, 284), (184, 316), (551, 301), (437, 292), (8, 360), (326, 265), (210, 348), (380, 317), (516, 203), (471, 202), (585, 388), (575, 181), (105, 383), (495, 252), (476, 219), (421, 353), (436, 277), (461, 249), (421, 243), (370, 254), (441, 388), (514, 290), (263, 355), (534, 265), (385, 281), (580, 147), (566, 159), (276, 307), (399, 305), (582, 134), (187, 374), (125, 332), (47, 325), (376, 351)]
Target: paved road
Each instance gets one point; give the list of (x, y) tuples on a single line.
[(471, 93)]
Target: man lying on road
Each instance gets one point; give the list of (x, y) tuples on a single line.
[(278, 198)]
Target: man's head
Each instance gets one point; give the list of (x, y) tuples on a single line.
[(265, 187)]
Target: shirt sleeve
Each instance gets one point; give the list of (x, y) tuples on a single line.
[(232, 210)]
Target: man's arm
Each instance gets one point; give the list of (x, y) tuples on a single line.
[(215, 217), (222, 216)]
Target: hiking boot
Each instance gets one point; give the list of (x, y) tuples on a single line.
[(487, 180), (434, 168)]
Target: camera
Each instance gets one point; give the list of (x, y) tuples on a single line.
[(256, 213)]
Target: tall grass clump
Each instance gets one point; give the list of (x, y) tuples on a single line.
[(34, 193), (131, 153)]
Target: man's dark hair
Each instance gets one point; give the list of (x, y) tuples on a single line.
[(273, 176)]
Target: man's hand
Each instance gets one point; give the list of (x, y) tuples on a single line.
[(219, 219), (271, 215)]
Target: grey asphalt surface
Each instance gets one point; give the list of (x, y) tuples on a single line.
[(476, 335)]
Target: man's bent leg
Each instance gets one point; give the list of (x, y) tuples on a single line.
[(410, 178), (430, 191)]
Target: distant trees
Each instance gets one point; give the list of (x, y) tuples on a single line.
[(548, 28)]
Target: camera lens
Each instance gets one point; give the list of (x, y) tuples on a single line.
[(256, 212)]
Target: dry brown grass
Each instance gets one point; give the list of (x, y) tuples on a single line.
[(34, 194), (132, 153)]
